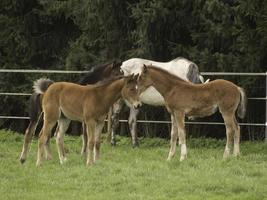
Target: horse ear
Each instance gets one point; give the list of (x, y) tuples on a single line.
[(144, 68), (135, 77), (132, 77), (114, 63), (129, 78)]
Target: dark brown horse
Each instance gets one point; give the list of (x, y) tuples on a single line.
[(63, 102), (196, 100), (96, 74)]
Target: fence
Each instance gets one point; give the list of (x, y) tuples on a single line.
[(143, 121)]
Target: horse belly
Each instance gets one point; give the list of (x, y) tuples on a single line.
[(202, 112), (152, 97), (72, 115)]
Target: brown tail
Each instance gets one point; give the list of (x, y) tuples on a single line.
[(242, 107)]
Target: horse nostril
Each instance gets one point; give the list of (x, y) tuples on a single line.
[(137, 105)]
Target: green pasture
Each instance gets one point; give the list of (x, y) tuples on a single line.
[(126, 173)]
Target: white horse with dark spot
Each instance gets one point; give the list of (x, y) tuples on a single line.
[(181, 67)]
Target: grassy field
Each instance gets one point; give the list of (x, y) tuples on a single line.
[(126, 173)]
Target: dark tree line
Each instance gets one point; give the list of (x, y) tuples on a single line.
[(218, 35)]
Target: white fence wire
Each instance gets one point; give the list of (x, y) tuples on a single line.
[(141, 121)]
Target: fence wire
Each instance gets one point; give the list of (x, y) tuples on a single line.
[(140, 121)]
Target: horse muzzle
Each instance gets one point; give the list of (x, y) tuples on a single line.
[(137, 105)]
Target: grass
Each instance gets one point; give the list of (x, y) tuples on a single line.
[(126, 173)]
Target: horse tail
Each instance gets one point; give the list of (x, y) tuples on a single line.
[(241, 110), (35, 107), (35, 111), (193, 74), (41, 85)]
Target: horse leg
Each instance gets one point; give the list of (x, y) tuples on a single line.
[(35, 113), (27, 139), (230, 129), (90, 125), (179, 119), (98, 130), (236, 138), (133, 125), (174, 136), (110, 112), (44, 134), (48, 154), (63, 125), (115, 120), (84, 139)]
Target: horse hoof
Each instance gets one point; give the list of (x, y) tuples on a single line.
[(136, 145), (182, 158), (236, 154), (48, 157), (113, 143), (22, 160), (226, 156), (88, 164), (63, 161)]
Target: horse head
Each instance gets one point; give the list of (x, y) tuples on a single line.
[(130, 92), (113, 70), (144, 81)]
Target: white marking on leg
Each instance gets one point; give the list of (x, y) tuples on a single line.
[(174, 136), (183, 152)]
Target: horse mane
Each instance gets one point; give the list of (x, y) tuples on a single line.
[(93, 75), (167, 73), (179, 58)]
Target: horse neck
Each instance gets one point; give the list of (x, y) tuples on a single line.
[(162, 82), (95, 75), (111, 92)]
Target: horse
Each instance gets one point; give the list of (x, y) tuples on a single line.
[(196, 100), (180, 67), (64, 101), (96, 74)]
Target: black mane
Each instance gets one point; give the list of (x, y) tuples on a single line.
[(94, 75)]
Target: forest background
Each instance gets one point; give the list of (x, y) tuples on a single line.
[(218, 35)]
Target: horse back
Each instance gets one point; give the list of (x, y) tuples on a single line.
[(216, 92), (225, 93), (68, 98)]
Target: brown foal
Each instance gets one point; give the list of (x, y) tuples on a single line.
[(63, 102), (97, 74), (196, 100)]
